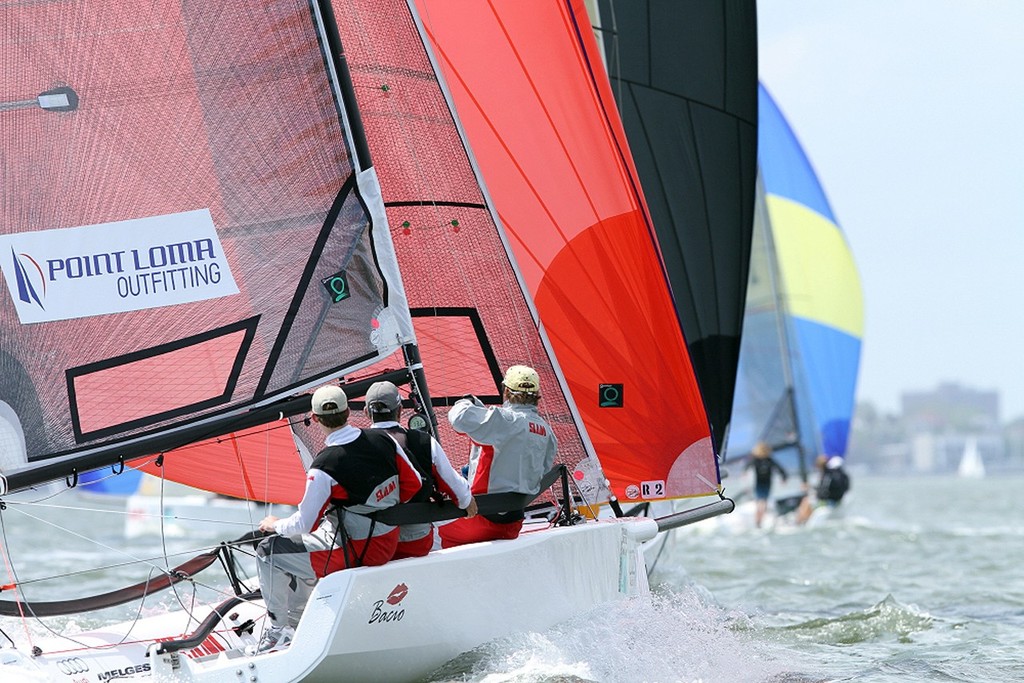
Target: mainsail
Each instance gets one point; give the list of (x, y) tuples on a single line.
[(804, 322), (771, 401), (685, 79), (206, 210)]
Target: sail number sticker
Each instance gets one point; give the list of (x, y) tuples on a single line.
[(646, 490), (652, 489)]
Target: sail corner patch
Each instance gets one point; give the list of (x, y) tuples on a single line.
[(117, 267)]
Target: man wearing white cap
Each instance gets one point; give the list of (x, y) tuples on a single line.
[(513, 448), (440, 480), (357, 473)]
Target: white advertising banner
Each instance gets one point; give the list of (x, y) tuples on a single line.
[(115, 267)]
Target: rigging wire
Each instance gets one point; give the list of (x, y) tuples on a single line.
[(154, 569)]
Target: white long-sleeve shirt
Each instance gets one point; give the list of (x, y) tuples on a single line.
[(513, 447)]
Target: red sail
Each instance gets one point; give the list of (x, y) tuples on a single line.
[(542, 124)]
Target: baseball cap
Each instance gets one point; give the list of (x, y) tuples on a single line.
[(522, 379), (383, 397), (329, 400)]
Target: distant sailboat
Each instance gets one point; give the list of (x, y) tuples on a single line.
[(803, 324), (819, 278), (971, 464)]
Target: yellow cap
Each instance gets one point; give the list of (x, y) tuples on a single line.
[(522, 380)]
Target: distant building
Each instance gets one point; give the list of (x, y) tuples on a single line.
[(951, 407), (932, 431)]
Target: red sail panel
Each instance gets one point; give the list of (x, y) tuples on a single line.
[(207, 364), (260, 464), (542, 125), (166, 229)]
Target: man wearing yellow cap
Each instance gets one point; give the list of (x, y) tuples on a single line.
[(513, 447)]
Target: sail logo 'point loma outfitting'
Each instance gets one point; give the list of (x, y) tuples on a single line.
[(117, 267)]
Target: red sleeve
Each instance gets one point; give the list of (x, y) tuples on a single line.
[(409, 482)]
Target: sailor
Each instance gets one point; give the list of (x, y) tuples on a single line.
[(833, 483), (440, 480), (357, 473), (513, 447), (763, 464)]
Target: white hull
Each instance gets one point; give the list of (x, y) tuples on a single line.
[(971, 464), (444, 604)]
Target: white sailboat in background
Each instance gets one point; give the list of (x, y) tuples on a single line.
[(972, 466)]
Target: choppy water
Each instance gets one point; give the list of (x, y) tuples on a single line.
[(921, 580)]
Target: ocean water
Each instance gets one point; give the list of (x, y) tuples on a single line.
[(920, 579)]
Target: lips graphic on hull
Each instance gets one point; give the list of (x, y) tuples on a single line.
[(398, 594)]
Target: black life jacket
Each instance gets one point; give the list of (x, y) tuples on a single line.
[(359, 466), (834, 485), (417, 445)]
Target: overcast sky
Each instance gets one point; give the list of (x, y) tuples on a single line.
[(912, 113)]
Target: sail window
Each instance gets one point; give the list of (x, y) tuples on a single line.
[(158, 383)]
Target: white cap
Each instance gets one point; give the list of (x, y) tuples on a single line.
[(834, 463), (329, 400)]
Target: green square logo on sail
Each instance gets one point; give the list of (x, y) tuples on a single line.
[(337, 286), (609, 396)]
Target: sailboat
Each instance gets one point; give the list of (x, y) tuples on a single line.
[(971, 464), (211, 211), (804, 319)]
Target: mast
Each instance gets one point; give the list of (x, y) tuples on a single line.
[(782, 328), (417, 379)]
